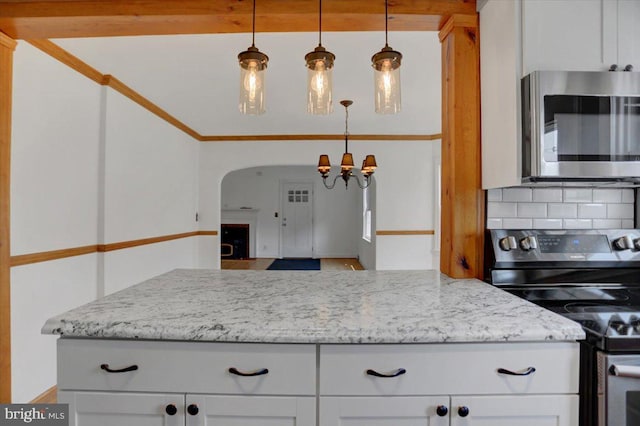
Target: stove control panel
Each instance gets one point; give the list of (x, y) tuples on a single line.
[(566, 245)]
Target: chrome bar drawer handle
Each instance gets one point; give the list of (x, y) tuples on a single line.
[(526, 372), (260, 372), (398, 372), (106, 368), (632, 371)]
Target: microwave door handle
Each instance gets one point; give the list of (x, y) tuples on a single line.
[(625, 371)]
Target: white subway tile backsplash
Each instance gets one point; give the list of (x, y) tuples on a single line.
[(547, 223), (547, 195), (577, 224), (628, 195), (494, 223), (512, 223), (607, 223), (494, 194), (562, 210), (526, 210), (607, 195), (498, 209), (577, 195), (592, 211), (620, 211), (516, 194)]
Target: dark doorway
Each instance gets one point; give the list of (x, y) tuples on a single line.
[(235, 241)]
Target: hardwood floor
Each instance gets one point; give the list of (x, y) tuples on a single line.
[(338, 264)]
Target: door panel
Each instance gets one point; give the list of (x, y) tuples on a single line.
[(252, 411), (297, 220)]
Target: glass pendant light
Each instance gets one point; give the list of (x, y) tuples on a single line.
[(386, 75), (319, 76), (253, 64)]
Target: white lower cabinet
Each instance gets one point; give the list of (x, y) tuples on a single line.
[(381, 411), (142, 409), (530, 410), (131, 383)]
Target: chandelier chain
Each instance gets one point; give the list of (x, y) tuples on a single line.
[(253, 30), (320, 25)]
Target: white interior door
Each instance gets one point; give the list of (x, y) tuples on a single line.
[(297, 219)]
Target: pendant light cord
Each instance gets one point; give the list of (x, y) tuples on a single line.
[(320, 25), (386, 23), (253, 31)]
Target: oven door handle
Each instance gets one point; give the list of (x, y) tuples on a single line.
[(625, 371)]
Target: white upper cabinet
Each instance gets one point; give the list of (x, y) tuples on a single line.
[(585, 35), (629, 33), (569, 35)]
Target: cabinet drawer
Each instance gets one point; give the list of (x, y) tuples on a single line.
[(449, 369), (186, 367)]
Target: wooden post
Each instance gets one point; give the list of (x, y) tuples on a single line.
[(462, 223), (7, 46)]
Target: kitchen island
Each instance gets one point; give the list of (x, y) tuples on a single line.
[(314, 347)]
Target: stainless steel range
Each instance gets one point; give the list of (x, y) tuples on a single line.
[(593, 278)]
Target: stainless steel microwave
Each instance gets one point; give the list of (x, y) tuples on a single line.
[(581, 127)]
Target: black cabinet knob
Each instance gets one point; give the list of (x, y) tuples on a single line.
[(442, 410), (193, 409), (171, 409), (463, 411)]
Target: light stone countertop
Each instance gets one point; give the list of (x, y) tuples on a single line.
[(313, 307)]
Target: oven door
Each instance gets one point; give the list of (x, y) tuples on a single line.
[(618, 390)]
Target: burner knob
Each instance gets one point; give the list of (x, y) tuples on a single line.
[(529, 243), (623, 243), (508, 243), (636, 244)]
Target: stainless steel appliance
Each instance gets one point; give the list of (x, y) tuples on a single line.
[(593, 278), (581, 126)]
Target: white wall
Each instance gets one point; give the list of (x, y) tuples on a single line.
[(336, 213), (88, 167), (405, 197), (54, 180)]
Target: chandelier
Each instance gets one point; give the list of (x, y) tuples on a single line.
[(319, 76), (346, 166), (386, 74)]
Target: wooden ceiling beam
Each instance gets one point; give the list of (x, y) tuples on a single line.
[(30, 19)]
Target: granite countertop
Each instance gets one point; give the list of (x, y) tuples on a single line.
[(313, 307)]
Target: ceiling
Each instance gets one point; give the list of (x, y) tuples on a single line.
[(196, 79)]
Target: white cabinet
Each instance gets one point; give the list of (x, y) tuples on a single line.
[(142, 383), (532, 410), (379, 411), (123, 409), (629, 33)]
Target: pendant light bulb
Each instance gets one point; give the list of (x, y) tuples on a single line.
[(253, 65), (386, 76), (319, 77)]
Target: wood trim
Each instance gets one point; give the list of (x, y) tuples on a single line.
[(136, 97), (90, 18), (50, 396), (466, 21), (8, 42), (45, 256), (340, 137), (462, 214), (68, 59), (416, 232), (7, 47)]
